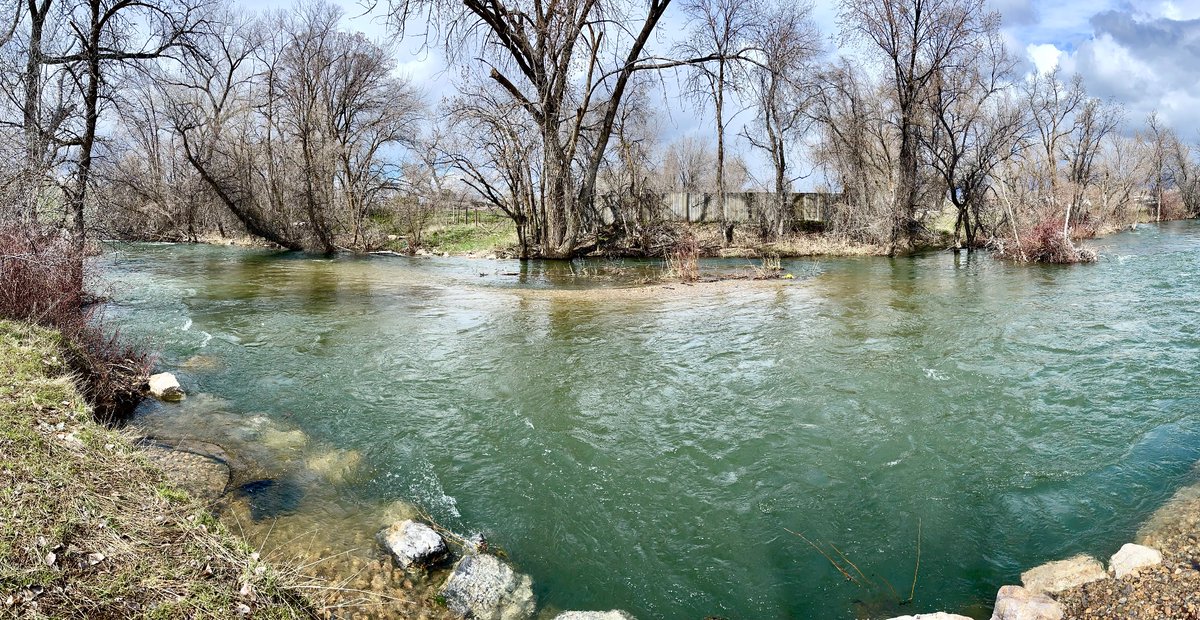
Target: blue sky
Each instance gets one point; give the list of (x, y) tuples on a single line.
[(1144, 54)]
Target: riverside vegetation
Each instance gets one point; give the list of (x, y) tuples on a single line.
[(191, 120)]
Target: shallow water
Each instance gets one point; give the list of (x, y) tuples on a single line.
[(651, 451)]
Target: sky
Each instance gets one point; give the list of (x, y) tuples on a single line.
[(1143, 54)]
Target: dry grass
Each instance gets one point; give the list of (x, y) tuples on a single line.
[(89, 529), (683, 261)]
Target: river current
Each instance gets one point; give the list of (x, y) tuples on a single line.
[(673, 451)]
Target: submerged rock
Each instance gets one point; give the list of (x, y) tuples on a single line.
[(284, 441), (201, 362), (1130, 558), (1053, 577), (271, 498), (1017, 603), (398, 510), (413, 544), (334, 466), (164, 386), (937, 615), (203, 476), (484, 588), (615, 614)]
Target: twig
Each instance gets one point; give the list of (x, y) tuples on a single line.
[(917, 568), (843, 556), (839, 568)]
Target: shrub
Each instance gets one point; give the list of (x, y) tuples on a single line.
[(1045, 243), (683, 261), (44, 280)]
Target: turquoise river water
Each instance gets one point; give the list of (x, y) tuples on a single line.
[(654, 449)]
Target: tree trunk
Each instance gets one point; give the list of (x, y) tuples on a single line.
[(91, 104)]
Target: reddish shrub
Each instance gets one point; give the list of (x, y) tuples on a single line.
[(1045, 243), (43, 280)]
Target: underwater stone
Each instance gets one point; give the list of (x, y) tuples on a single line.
[(413, 544), (1017, 603), (1131, 558), (336, 465), (284, 441), (1053, 577), (269, 498), (484, 588), (164, 386), (615, 614)]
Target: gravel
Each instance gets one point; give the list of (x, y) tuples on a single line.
[(1169, 590)]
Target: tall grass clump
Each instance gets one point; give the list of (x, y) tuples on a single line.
[(683, 260), (44, 280)]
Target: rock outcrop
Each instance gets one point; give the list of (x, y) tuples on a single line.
[(1017, 603), (484, 588), (1130, 558), (1054, 577), (413, 545)]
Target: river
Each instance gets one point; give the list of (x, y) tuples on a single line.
[(661, 450)]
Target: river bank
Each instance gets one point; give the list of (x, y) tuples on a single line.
[(91, 529)]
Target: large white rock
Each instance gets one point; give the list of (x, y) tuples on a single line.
[(615, 614), (484, 588), (1017, 603), (1131, 558), (413, 544), (937, 615), (164, 386), (1054, 577)]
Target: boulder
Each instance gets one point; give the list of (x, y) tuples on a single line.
[(615, 614), (937, 615), (484, 588), (1054, 577), (1131, 558), (413, 544), (1017, 603), (164, 386)]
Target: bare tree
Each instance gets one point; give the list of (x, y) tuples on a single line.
[(1052, 104), (781, 84), (291, 123), (1092, 125), (1159, 140), (1185, 173), (858, 149), (108, 36), (567, 66), (975, 127), (722, 30), (917, 39)]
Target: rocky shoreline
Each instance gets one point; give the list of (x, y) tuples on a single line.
[(412, 568), (1155, 578)]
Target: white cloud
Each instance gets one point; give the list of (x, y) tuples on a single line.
[(1045, 56)]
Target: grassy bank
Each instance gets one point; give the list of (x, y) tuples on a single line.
[(90, 529)]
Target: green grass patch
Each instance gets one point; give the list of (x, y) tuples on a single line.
[(470, 238)]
